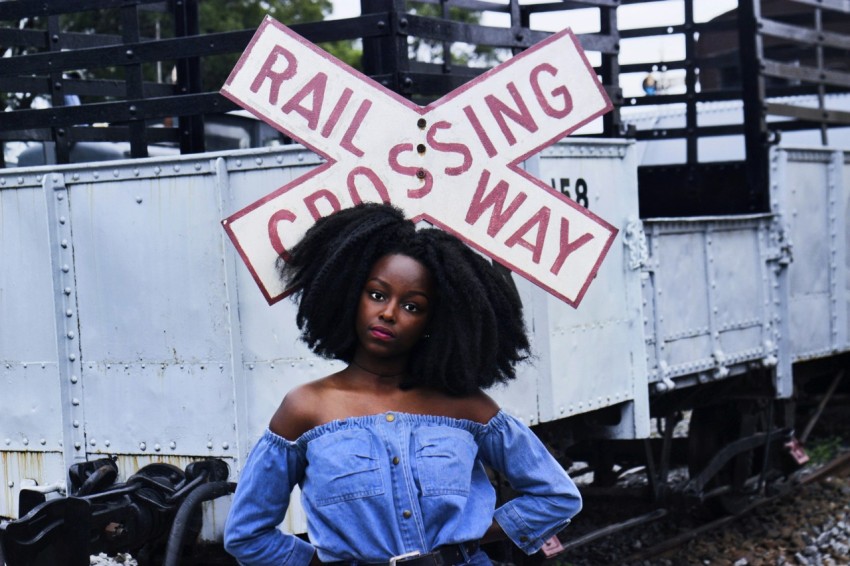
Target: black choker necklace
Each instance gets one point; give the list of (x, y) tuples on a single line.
[(374, 372)]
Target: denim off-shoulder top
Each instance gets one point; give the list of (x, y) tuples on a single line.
[(378, 486)]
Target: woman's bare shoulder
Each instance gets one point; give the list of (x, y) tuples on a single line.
[(478, 407), (299, 410), (482, 407)]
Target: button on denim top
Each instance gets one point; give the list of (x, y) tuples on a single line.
[(381, 485)]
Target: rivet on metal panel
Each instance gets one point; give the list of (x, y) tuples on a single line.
[(220, 366), (138, 200), (197, 166), (8, 441), (20, 180), (25, 365), (143, 446), (11, 484), (76, 424), (126, 366), (210, 445), (64, 243), (67, 290), (202, 367), (69, 313), (60, 196), (225, 445), (66, 268), (271, 366), (93, 442), (143, 366), (77, 445), (70, 335), (172, 445), (176, 168), (96, 175), (157, 447), (38, 178), (250, 366), (300, 157), (25, 441), (279, 159), (239, 163), (136, 172), (106, 443), (75, 401), (258, 161), (157, 170), (115, 173), (74, 379), (72, 357), (42, 441)]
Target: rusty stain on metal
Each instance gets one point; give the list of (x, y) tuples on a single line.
[(16, 466)]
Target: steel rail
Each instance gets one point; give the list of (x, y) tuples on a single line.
[(838, 464)]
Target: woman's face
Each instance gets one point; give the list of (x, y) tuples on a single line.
[(394, 307)]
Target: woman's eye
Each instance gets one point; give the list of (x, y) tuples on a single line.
[(411, 307), (376, 296)]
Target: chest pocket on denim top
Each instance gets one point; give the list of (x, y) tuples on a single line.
[(343, 466), (444, 459)]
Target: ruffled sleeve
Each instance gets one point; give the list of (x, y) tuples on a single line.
[(273, 469), (548, 497)]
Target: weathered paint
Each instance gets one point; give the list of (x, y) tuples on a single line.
[(15, 466)]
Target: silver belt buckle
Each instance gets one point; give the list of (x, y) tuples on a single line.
[(403, 557)]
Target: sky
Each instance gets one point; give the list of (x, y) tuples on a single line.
[(662, 13)]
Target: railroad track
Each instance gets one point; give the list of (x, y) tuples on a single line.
[(574, 548)]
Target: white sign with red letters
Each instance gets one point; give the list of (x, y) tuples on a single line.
[(455, 163)]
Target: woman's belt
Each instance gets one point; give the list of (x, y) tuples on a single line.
[(448, 555)]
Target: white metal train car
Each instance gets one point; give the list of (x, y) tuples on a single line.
[(131, 329)]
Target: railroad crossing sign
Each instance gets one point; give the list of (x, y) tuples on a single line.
[(455, 163)]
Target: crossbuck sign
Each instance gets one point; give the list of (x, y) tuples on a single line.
[(455, 163)]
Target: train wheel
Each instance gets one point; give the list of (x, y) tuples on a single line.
[(712, 428)]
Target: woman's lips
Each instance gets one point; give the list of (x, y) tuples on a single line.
[(381, 333)]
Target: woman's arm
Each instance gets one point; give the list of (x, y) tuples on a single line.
[(259, 506), (548, 497)]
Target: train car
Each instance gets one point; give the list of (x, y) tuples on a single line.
[(139, 363)]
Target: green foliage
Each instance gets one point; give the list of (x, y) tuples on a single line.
[(228, 15), (823, 450), (214, 16), (432, 52)]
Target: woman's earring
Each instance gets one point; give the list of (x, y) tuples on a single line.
[(426, 336)]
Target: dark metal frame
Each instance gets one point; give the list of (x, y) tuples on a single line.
[(384, 27), (766, 45)]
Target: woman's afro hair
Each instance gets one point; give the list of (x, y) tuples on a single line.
[(477, 333)]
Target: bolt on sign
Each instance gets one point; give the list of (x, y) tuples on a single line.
[(455, 163)]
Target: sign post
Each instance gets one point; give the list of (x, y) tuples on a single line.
[(455, 163)]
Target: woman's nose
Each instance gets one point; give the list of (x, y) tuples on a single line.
[(388, 312)]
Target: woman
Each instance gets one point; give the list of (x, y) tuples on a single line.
[(390, 452)]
